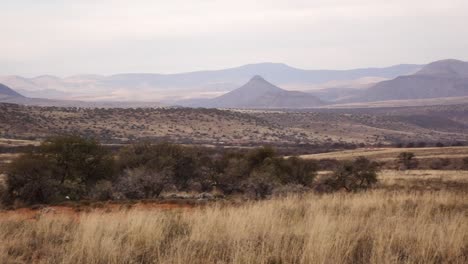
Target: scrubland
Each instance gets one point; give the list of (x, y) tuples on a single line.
[(389, 224)]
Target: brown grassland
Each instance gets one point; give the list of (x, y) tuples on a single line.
[(410, 217)]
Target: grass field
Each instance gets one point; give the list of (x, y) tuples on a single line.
[(383, 154), (387, 225)]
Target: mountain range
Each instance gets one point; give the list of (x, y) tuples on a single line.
[(441, 79), (208, 84)]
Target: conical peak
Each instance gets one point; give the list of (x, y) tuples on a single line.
[(257, 78)]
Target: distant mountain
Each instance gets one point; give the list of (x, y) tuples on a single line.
[(8, 95), (258, 93), (445, 78), (142, 86), (7, 92)]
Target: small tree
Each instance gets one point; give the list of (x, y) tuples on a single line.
[(407, 161)]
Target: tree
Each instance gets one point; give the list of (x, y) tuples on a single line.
[(407, 161), (78, 159)]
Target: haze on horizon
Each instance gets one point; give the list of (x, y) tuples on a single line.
[(114, 36)]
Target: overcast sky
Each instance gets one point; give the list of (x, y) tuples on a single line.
[(67, 37)]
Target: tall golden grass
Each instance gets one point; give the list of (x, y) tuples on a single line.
[(374, 227)]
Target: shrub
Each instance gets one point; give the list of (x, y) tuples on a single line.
[(440, 163), (407, 161), (32, 179), (3, 194), (300, 171), (421, 144), (353, 175), (465, 163), (63, 166), (184, 163), (102, 191), (141, 183), (257, 156), (264, 178)]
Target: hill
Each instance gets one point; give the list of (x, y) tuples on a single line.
[(446, 78), (258, 93), (7, 92)]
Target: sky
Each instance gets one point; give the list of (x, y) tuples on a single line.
[(68, 37)]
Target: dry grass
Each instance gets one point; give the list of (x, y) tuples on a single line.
[(380, 226), (385, 154)]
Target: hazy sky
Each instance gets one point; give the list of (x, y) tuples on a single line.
[(66, 37)]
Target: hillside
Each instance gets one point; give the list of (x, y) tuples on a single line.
[(446, 78), (248, 127), (258, 93)]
